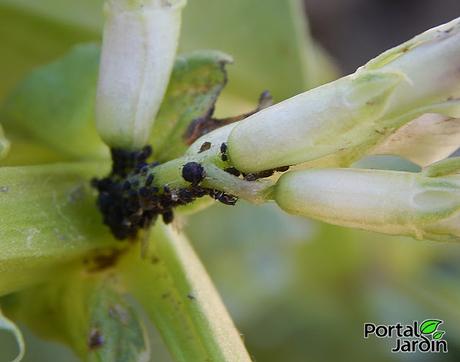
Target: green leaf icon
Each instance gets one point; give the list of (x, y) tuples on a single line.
[(438, 334), (429, 326)]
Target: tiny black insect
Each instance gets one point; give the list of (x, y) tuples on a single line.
[(168, 217), (126, 185), (223, 148), (282, 169), (149, 180), (233, 171), (193, 172)]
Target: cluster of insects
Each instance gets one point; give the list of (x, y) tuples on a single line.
[(130, 201), (128, 206)]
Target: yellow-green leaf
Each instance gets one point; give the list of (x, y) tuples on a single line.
[(54, 106), (31, 38), (195, 84), (84, 309), (47, 217)]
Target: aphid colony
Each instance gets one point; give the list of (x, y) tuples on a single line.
[(128, 206), (129, 200)]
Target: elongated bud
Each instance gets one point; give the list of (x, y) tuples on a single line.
[(139, 46), (350, 116), (390, 202)]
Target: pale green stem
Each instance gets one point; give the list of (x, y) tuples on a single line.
[(178, 295)]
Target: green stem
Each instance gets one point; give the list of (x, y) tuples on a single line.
[(170, 174), (178, 295)]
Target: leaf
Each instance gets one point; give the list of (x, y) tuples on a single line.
[(122, 331), (54, 105), (271, 42), (268, 39), (177, 294), (438, 334), (47, 218), (429, 326), (84, 309), (9, 326), (29, 39), (50, 115), (196, 82)]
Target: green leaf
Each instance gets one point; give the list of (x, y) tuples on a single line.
[(177, 294), (47, 218), (122, 331), (54, 105), (9, 326), (268, 39), (50, 115), (31, 38), (429, 326), (196, 82), (271, 42), (438, 334), (84, 309)]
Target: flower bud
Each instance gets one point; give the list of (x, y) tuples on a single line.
[(139, 46), (350, 116), (390, 202)]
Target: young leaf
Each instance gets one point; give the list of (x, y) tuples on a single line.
[(31, 38), (173, 287), (114, 322), (47, 218), (50, 115), (271, 42), (54, 105), (83, 308), (196, 82), (429, 326), (8, 325)]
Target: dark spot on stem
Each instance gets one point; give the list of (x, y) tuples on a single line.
[(95, 339), (204, 147)]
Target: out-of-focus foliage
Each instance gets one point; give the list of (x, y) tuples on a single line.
[(298, 290)]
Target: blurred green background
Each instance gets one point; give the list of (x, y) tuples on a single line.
[(298, 290)]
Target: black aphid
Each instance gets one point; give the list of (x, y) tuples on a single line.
[(193, 172), (129, 202), (232, 171), (168, 217), (149, 180)]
